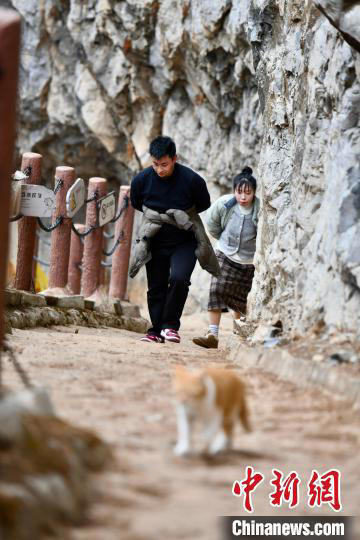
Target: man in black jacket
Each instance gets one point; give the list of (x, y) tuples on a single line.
[(164, 186)]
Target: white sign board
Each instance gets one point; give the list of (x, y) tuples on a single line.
[(37, 201), (106, 207), (75, 197)]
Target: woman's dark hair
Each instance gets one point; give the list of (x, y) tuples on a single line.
[(245, 178), (162, 146)]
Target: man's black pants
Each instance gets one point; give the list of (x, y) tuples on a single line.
[(168, 275)]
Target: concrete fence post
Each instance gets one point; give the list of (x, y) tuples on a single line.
[(93, 241), (120, 259), (102, 269), (10, 27), (60, 237), (75, 260), (27, 228)]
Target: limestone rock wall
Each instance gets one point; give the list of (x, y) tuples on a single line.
[(100, 78), (308, 258), (269, 83)]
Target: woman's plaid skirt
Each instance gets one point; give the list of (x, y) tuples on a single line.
[(231, 289)]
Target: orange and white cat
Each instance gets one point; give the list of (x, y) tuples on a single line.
[(216, 398)]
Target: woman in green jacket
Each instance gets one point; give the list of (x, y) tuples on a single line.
[(232, 220)]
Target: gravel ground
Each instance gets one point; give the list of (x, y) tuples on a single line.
[(108, 380)]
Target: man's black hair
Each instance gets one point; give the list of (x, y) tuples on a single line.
[(162, 146), (245, 178)]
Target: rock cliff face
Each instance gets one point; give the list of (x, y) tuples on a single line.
[(100, 78), (269, 83), (308, 258)]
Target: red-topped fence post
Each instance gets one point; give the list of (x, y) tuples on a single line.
[(102, 270), (27, 227), (75, 259), (60, 237), (120, 259), (93, 241)]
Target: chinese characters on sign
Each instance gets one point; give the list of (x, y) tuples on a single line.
[(321, 489), (37, 201)]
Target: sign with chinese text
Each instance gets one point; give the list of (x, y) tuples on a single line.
[(37, 201), (106, 207), (75, 197)]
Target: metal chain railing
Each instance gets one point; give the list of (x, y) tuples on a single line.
[(27, 171), (123, 207), (117, 242), (60, 219), (93, 227), (85, 233), (108, 236), (52, 227), (59, 185), (93, 198), (16, 218)]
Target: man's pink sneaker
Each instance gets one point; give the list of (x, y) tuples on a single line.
[(169, 334), (151, 338)]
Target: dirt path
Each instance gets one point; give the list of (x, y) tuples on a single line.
[(107, 379)]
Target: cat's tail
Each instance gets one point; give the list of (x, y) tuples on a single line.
[(244, 415)]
